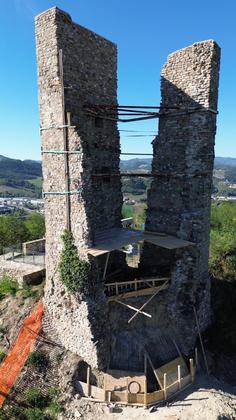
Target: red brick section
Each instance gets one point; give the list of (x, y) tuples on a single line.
[(17, 356)]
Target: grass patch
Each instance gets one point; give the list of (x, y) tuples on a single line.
[(37, 182), (8, 286)]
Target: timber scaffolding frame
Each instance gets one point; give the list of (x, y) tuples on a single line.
[(116, 239), (131, 388)]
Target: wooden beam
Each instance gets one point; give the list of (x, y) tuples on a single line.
[(201, 341), (154, 370), (88, 381), (165, 381), (106, 264), (141, 292), (145, 384), (132, 307), (179, 376), (192, 370), (149, 300)]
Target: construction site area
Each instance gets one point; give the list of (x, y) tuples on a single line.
[(134, 329)]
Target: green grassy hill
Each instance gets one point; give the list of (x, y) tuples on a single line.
[(20, 178), (23, 178)]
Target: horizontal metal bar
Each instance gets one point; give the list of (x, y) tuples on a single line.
[(138, 119), (131, 106), (61, 152), (61, 192), (138, 114)]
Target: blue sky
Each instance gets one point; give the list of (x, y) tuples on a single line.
[(145, 32)]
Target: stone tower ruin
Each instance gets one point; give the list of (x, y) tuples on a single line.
[(81, 154)]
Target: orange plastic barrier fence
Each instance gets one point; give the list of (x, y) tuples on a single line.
[(17, 356)]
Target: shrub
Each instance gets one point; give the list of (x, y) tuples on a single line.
[(73, 271), (8, 286), (35, 398), (38, 359), (35, 414)]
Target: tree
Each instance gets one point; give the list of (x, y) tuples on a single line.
[(35, 225), (12, 231)]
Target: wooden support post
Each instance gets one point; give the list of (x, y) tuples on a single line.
[(88, 381), (127, 390), (105, 385), (196, 358), (164, 386), (201, 341), (145, 380), (192, 370), (117, 290), (106, 264), (179, 376)]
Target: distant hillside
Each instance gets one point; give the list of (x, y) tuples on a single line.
[(24, 177), (20, 178), (225, 161)]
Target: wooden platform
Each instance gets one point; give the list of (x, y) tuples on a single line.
[(108, 240)]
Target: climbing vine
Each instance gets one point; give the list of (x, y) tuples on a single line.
[(73, 270)]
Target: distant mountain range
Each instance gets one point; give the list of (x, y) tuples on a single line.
[(24, 177)]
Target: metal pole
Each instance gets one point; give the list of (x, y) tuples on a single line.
[(65, 141)]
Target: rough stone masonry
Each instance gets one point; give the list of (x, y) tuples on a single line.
[(178, 201), (89, 67)]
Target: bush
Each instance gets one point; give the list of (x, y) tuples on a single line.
[(73, 271), (223, 242), (8, 286), (35, 414), (38, 359), (35, 398)]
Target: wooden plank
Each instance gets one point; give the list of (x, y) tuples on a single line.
[(192, 370), (106, 265), (88, 381), (171, 369), (131, 307), (154, 370), (145, 379), (140, 292), (98, 393), (149, 300), (155, 396), (167, 241), (186, 380), (138, 281), (179, 376), (117, 378)]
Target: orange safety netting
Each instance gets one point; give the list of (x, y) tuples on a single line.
[(17, 356)]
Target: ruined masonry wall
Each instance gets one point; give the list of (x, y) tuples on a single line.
[(179, 199), (89, 64)]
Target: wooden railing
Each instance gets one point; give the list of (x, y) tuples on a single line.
[(119, 288)]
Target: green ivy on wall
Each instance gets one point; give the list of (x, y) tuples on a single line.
[(73, 271)]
